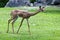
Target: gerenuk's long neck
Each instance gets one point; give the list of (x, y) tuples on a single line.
[(35, 12)]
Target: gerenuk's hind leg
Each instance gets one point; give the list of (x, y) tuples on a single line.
[(8, 24), (13, 24)]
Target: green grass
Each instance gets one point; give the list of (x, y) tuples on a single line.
[(44, 26)]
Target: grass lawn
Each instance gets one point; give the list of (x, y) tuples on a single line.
[(43, 26)]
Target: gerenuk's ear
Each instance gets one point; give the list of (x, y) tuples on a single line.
[(42, 8)]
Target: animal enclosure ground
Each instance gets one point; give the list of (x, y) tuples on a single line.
[(43, 26)]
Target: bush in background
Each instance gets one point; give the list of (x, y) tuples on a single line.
[(3, 3), (32, 1)]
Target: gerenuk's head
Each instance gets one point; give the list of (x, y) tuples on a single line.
[(41, 8)]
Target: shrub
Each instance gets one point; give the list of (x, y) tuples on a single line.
[(3, 3)]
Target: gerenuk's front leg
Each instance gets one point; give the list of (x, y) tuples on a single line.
[(28, 26), (20, 25)]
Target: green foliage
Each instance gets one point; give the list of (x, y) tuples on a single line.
[(44, 26), (3, 3)]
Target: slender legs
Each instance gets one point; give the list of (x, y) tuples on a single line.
[(20, 25), (8, 24), (28, 26), (13, 24), (14, 19)]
